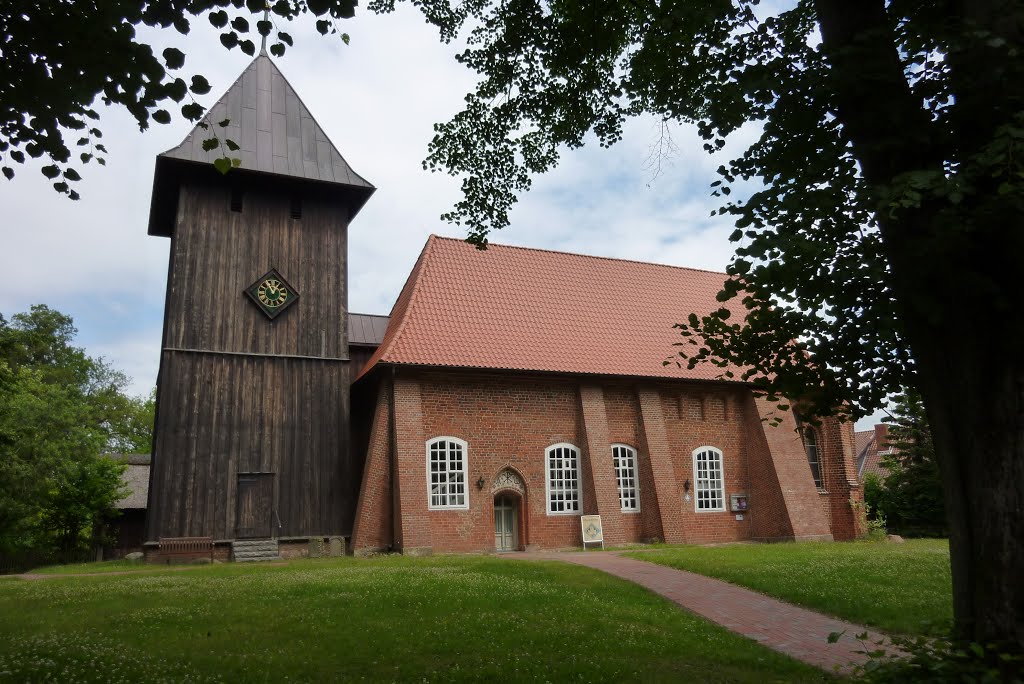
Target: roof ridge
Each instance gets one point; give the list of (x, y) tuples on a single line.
[(356, 313), (589, 256)]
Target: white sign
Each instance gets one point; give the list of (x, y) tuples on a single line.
[(592, 532)]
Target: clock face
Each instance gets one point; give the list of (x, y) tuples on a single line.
[(272, 294)]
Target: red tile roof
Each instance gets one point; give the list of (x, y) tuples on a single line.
[(869, 456), (530, 309), (862, 440)]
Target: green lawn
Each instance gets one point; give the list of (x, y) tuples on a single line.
[(897, 587), (440, 618), (91, 568)]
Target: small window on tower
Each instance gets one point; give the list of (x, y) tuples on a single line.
[(236, 199), (296, 207)]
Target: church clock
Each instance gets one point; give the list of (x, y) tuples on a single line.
[(272, 294)]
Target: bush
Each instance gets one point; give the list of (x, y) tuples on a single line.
[(936, 661)]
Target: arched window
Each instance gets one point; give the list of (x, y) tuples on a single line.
[(708, 478), (624, 458), (813, 458), (563, 480), (446, 473)]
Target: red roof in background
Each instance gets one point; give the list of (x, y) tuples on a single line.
[(862, 440), (515, 308)]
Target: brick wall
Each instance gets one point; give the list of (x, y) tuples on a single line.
[(509, 420), (708, 418), (374, 526)]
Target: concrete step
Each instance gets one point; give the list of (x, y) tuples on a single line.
[(254, 542), (254, 550)]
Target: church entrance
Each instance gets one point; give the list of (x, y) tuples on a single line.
[(506, 522)]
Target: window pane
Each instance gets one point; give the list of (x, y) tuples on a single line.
[(447, 473), (709, 481), (563, 485)]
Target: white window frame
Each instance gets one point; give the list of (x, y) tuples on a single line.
[(627, 472), (697, 480), (460, 473), (548, 485)]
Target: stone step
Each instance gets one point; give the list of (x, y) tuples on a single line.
[(250, 552), (255, 550)]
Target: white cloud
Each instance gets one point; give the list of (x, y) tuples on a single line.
[(377, 99)]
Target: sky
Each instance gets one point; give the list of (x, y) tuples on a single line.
[(377, 99)]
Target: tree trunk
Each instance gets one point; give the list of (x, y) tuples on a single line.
[(954, 274), (977, 417)]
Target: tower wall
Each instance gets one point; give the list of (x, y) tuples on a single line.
[(252, 413)]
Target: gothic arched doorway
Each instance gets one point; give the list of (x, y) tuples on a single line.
[(509, 493), (506, 522)]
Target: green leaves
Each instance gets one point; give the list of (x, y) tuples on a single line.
[(174, 58), (210, 144), (74, 55), (218, 19), (193, 111), (200, 86), (63, 408)]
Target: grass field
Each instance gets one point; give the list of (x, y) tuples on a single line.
[(898, 587), (432, 619), (93, 568)]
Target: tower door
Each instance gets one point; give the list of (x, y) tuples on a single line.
[(506, 533), (255, 495)]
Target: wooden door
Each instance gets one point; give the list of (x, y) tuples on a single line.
[(505, 523), (255, 505)]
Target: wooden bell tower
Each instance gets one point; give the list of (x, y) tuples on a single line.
[(252, 429)]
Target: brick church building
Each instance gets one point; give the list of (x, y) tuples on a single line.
[(510, 391), (518, 389)]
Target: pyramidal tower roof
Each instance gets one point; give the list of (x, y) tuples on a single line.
[(276, 135)]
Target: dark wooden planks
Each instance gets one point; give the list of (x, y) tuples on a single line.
[(219, 253), (224, 415)]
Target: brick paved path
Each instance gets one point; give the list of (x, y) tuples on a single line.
[(795, 631)]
